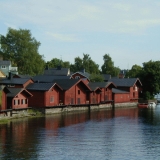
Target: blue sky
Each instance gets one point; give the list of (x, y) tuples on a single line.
[(127, 30)]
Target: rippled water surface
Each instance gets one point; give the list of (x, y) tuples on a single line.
[(123, 134)]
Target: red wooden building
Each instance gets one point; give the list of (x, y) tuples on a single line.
[(131, 86), (44, 94), (106, 90), (81, 75), (15, 82), (75, 92), (120, 96), (15, 98), (95, 94)]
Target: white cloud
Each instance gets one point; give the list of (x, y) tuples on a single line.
[(122, 7), (63, 37), (104, 16)]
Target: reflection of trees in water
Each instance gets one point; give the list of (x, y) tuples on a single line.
[(149, 123), (150, 116), (20, 138)]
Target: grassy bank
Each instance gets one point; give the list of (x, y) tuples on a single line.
[(0, 98)]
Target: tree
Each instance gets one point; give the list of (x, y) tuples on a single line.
[(55, 62), (108, 66), (96, 78), (21, 49), (150, 78), (134, 72), (85, 63), (78, 65)]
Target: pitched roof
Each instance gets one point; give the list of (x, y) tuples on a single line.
[(100, 84), (41, 86), (66, 84), (2, 74), (13, 81), (57, 71), (93, 87), (5, 62), (12, 92), (22, 76), (124, 82), (106, 77), (48, 79), (114, 90), (85, 74)]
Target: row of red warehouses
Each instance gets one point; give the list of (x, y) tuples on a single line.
[(21, 93)]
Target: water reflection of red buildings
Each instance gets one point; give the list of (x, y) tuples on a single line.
[(25, 133), (64, 120)]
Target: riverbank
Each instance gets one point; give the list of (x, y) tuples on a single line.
[(32, 112)]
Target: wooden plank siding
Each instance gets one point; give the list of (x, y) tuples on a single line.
[(44, 98), (76, 95)]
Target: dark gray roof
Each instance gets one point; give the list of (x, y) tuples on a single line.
[(5, 62), (40, 86), (124, 82), (57, 71), (66, 84), (106, 77), (99, 84), (114, 90), (14, 91), (23, 76), (93, 87), (13, 81), (85, 74), (48, 79)]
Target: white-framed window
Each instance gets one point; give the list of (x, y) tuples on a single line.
[(136, 88), (16, 102), (3, 67), (22, 101)]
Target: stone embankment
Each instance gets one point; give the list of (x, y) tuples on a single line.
[(29, 112)]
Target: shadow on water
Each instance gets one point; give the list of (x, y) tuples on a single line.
[(150, 116)]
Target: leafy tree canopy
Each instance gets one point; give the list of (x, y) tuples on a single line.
[(85, 63), (108, 66), (55, 62), (96, 78), (134, 72), (150, 78), (21, 49)]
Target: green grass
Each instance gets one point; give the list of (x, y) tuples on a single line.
[(34, 112), (0, 98), (3, 121)]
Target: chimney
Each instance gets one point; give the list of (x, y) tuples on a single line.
[(10, 75)]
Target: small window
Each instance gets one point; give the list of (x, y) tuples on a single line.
[(77, 77), (78, 100), (11, 85), (26, 101), (51, 99), (78, 91), (22, 101), (135, 88), (15, 102), (3, 67)]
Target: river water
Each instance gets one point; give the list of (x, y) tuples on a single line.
[(122, 134)]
